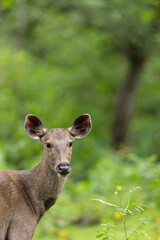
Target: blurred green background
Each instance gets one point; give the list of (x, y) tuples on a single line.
[(60, 59)]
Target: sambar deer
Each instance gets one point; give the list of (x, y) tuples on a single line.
[(26, 195)]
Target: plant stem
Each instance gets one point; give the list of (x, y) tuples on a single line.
[(128, 203), (124, 222)]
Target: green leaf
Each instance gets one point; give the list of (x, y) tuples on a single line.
[(99, 235), (110, 204)]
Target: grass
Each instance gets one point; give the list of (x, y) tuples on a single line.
[(45, 231), (75, 232), (72, 232), (113, 169)]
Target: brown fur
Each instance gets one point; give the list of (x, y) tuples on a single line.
[(25, 196)]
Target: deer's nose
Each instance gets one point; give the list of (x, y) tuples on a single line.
[(63, 168)]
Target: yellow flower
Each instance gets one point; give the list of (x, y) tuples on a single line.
[(117, 215), (116, 193), (119, 188), (63, 233), (155, 237), (157, 217)]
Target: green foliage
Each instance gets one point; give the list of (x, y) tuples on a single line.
[(106, 232), (64, 58), (112, 169), (123, 211)]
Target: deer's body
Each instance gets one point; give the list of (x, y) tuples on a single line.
[(25, 196)]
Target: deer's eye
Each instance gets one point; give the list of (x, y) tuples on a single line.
[(70, 144), (48, 145)]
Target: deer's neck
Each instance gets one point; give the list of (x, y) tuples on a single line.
[(50, 184), (46, 185)]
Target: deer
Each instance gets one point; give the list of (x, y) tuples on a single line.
[(26, 195)]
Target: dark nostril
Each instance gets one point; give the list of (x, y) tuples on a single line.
[(63, 168)]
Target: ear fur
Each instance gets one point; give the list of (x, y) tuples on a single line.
[(81, 126), (34, 127)]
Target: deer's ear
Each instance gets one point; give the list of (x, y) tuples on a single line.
[(81, 126), (34, 127)]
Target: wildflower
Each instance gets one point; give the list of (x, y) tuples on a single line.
[(157, 217), (117, 215), (155, 237), (63, 233), (116, 193), (119, 188)]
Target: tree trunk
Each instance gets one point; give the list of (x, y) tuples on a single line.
[(126, 97)]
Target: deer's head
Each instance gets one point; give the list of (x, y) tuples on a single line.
[(58, 141)]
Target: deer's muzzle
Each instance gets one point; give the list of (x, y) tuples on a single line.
[(63, 168)]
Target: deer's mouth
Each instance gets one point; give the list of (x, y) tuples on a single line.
[(63, 169)]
